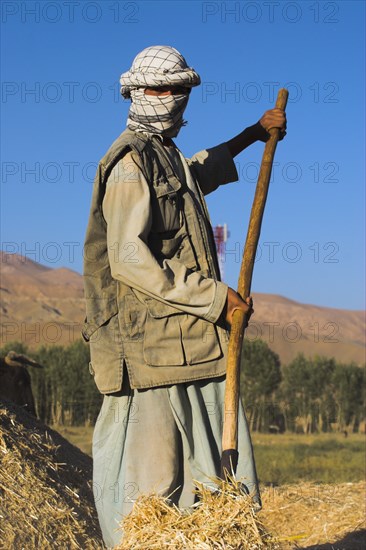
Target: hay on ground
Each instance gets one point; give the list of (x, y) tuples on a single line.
[(309, 514), (225, 518), (298, 516), (45, 492), (46, 502)]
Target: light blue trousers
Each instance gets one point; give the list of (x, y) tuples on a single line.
[(161, 439)]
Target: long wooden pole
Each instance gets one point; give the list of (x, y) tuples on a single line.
[(229, 457)]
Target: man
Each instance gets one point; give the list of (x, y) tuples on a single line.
[(157, 312)]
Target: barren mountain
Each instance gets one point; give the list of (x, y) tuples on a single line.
[(38, 304), (41, 305)]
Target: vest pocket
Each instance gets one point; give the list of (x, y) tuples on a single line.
[(176, 245), (166, 206), (106, 351), (200, 340), (163, 344), (173, 338)]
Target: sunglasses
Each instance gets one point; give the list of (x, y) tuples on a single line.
[(176, 90)]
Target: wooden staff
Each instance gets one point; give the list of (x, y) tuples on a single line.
[(229, 457)]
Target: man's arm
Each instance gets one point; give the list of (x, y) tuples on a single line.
[(127, 211), (214, 167), (274, 118)]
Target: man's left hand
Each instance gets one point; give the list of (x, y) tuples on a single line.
[(274, 118)]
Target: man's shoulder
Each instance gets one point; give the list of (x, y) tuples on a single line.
[(127, 140)]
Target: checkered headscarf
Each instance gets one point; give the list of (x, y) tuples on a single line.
[(153, 67)]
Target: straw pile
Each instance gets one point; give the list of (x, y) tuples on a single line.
[(299, 516), (45, 495), (222, 519), (46, 502), (310, 514)]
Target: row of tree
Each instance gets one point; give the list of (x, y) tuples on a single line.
[(307, 395), (64, 390)]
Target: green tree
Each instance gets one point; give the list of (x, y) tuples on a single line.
[(64, 390), (83, 399), (306, 392), (260, 377), (349, 387)]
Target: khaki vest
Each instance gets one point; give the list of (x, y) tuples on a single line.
[(157, 343)]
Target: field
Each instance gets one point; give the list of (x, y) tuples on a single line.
[(312, 489), (321, 458), (285, 458), (46, 486)]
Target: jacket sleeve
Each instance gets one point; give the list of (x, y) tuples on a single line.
[(127, 211), (213, 167)]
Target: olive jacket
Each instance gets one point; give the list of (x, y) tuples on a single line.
[(152, 285)]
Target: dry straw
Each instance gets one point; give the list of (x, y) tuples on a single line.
[(312, 514), (46, 503), (224, 518), (301, 516), (45, 495)]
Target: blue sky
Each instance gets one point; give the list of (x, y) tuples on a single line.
[(61, 110)]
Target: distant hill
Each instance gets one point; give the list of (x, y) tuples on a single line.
[(40, 305), (290, 328)]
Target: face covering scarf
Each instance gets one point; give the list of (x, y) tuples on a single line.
[(155, 67), (157, 114)]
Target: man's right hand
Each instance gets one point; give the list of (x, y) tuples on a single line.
[(233, 302)]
